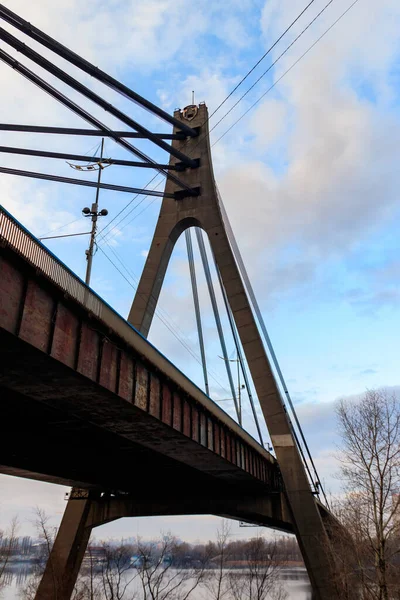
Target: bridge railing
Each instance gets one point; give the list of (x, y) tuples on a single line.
[(38, 255), (22, 242)]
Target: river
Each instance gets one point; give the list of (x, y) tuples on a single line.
[(294, 581)]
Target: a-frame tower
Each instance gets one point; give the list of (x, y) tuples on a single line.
[(85, 510), (204, 211)]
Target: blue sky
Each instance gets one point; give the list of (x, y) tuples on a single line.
[(309, 178)]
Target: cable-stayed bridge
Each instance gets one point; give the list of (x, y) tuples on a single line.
[(93, 404)]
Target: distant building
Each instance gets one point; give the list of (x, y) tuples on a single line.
[(94, 555)]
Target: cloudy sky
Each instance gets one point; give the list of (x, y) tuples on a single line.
[(309, 177)]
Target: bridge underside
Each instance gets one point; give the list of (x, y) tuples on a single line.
[(46, 433)]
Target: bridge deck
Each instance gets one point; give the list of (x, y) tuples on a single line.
[(86, 400)]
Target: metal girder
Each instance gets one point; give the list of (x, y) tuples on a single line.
[(88, 93), (31, 76), (44, 39), (85, 132), (84, 182), (82, 157), (77, 494)]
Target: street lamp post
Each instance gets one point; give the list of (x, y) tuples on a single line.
[(94, 213)]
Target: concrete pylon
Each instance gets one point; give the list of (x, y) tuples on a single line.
[(66, 556), (204, 212)]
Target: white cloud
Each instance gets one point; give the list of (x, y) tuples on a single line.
[(338, 180), (140, 35), (20, 497), (268, 122)]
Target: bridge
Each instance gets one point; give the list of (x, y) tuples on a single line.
[(94, 405), (78, 379)]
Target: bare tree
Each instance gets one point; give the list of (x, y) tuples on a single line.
[(89, 583), (46, 537), (370, 469), (217, 580), (350, 556), (8, 544), (259, 579), (163, 576), (115, 569)]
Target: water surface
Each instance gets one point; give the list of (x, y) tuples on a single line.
[(294, 581)]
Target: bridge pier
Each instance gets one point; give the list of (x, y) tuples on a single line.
[(66, 556), (87, 510)]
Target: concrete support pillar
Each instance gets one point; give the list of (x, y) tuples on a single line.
[(65, 559), (81, 516)]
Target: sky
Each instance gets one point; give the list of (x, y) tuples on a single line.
[(309, 177)]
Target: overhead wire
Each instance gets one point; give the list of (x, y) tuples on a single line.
[(139, 213), (58, 228), (272, 64), (75, 220), (261, 59), (236, 87), (157, 313), (165, 318), (267, 91), (109, 235), (207, 134), (97, 146), (285, 73), (127, 205)]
